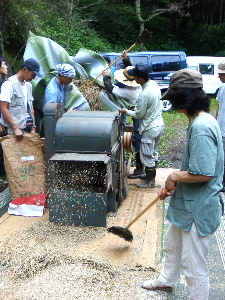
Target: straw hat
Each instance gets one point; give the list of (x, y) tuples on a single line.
[(123, 77)]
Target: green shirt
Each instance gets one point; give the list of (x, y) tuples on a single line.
[(200, 202), (149, 107)]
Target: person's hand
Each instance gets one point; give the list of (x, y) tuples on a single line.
[(124, 55), (123, 111), (171, 183), (1, 130), (105, 73), (33, 130), (18, 133), (163, 193)]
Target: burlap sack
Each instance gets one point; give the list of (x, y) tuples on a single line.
[(24, 164)]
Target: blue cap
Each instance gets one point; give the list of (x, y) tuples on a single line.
[(32, 65)]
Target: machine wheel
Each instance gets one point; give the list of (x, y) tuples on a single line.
[(121, 166), (123, 183), (127, 142)]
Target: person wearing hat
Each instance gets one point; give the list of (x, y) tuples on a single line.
[(16, 100), (195, 207), (55, 90), (149, 112), (127, 88), (220, 113)]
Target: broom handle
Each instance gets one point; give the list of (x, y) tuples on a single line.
[(109, 66), (143, 211)]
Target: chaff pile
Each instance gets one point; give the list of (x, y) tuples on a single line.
[(91, 93), (42, 262), (46, 248)]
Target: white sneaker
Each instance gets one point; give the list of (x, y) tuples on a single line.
[(155, 284)]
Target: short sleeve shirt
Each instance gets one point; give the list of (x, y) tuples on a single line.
[(7, 92), (200, 202), (54, 92), (221, 113)]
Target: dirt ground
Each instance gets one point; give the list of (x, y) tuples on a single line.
[(43, 260)]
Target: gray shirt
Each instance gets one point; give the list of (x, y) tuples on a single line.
[(149, 107)]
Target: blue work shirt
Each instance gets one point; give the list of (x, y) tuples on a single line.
[(200, 202), (54, 92)]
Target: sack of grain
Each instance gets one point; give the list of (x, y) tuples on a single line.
[(24, 164)]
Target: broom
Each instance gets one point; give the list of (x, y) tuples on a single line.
[(124, 232)]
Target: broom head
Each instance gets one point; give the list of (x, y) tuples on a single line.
[(122, 232)]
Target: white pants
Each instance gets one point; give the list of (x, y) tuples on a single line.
[(187, 251)]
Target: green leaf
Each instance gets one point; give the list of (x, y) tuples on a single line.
[(48, 53), (93, 64), (75, 99)]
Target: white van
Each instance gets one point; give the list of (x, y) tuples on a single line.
[(208, 67)]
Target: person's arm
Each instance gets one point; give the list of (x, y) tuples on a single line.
[(126, 60), (4, 107), (184, 176), (180, 176), (107, 81), (140, 110), (33, 130)]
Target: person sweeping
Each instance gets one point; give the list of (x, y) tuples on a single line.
[(195, 207)]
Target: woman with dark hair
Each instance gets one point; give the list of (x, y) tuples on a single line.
[(3, 70), (195, 207)]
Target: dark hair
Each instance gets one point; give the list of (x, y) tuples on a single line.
[(142, 75), (2, 58), (193, 100), (107, 59)]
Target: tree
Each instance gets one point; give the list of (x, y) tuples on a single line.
[(1, 26), (74, 8)]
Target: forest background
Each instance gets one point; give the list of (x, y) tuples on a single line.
[(195, 26)]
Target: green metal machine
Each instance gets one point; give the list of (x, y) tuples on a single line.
[(86, 175)]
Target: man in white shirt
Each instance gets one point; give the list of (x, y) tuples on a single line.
[(16, 100)]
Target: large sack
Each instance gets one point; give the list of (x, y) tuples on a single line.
[(25, 165)]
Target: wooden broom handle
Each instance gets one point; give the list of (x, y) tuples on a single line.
[(109, 66), (143, 211)]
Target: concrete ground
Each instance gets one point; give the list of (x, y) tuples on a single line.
[(146, 250)]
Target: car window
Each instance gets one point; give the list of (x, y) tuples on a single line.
[(193, 68), (165, 63), (137, 59), (134, 60), (206, 69)]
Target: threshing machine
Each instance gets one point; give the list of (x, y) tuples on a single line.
[(86, 170)]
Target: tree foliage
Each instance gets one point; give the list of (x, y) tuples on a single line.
[(195, 26)]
